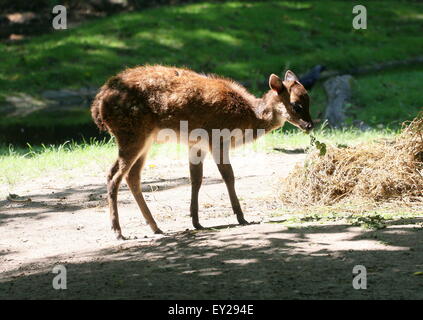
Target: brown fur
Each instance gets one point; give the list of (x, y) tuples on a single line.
[(135, 104)]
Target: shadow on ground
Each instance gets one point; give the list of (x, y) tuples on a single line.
[(267, 261), (77, 198)]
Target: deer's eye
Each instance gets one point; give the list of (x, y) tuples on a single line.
[(297, 107)]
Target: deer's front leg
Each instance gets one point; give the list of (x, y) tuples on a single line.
[(229, 178), (196, 158), (221, 157)]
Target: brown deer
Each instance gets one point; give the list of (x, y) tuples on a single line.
[(139, 102)]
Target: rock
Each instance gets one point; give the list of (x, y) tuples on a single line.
[(338, 91), (59, 94), (21, 105), (68, 96)]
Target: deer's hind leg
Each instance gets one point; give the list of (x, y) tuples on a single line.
[(129, 152), (134, 182)]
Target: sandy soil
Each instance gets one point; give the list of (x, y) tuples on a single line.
[(67, 223)]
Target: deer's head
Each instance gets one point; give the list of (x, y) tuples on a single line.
[(291, 100)]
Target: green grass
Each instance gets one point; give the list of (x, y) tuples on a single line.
[(239, 39), (95, 157), (17, 165), (366, 219), (377, 94), (41, 119), (342, 137), (383, 99)]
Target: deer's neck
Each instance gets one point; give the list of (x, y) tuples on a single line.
[(266, 115)]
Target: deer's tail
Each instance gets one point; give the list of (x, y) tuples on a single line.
[(96, 113)]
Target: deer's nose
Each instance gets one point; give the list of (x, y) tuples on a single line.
[(309, 126)]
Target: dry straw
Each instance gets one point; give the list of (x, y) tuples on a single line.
[(377, 171)]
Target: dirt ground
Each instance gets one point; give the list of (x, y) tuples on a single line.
[(66, 223)]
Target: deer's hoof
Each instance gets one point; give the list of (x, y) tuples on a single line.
[(158, 231), (242, 221), (198, 226), (120, 237), (118, 233)]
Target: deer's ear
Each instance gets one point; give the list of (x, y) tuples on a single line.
[(275, 83), (290, 76)]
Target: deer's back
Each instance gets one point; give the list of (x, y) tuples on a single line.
[(166, 95)]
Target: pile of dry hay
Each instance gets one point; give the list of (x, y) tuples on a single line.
[(379, 171)]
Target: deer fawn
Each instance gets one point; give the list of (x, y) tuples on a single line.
[(139, 102)]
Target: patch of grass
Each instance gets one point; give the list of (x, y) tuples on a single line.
[(367, 219), (340, 137), (58, 118), (18, 165), (384, 99), (95, 157), (238, 39), (389, 98), (373, 222)]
